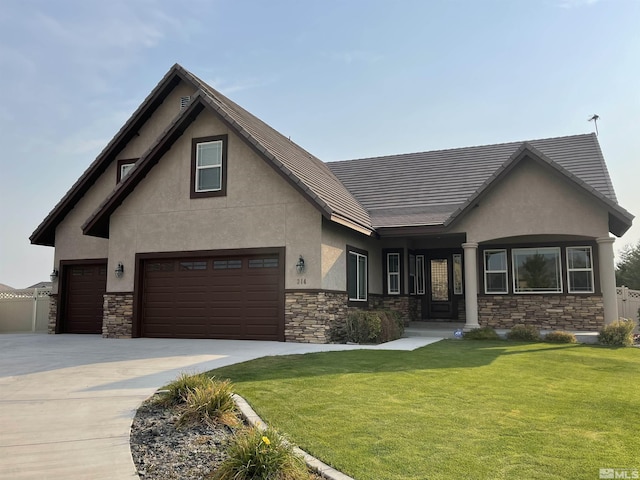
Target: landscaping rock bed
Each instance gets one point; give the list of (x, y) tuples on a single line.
[(162, 451)]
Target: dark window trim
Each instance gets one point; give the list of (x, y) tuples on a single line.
[(385, 273), (356, 303), (223, 187), (124, 161), (563, 264)]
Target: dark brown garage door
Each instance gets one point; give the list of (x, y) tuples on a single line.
[(234, 297), (85, 286)]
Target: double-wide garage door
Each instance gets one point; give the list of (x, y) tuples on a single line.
[(230, 297)]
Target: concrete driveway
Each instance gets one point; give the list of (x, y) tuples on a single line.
[(67, 401)]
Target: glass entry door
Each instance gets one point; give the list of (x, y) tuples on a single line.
[(439, 301)]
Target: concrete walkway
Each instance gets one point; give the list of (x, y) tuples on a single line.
[(67, 401)]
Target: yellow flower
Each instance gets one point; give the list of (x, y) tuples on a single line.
[(266, 440)]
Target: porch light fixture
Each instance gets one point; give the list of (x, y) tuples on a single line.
[(300, 265), (54, 275), (119, 270)]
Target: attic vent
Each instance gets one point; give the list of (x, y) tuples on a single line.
[(184, 102)]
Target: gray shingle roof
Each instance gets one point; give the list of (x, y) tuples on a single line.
[(427, 188)]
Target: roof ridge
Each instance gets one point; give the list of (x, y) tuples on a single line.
[(488, 145)]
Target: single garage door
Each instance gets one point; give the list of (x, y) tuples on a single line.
[(85, 286), (230, 297)]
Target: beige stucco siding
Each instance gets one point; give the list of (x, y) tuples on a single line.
[(533, 200), (335, 239), (70, 243), (260, 210), (154, 127)]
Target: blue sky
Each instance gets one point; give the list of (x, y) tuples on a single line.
[(344, 78)]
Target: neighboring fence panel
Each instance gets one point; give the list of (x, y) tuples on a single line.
[(24, 310), (628, 302)]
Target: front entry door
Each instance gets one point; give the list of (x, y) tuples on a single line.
[(439, 295)]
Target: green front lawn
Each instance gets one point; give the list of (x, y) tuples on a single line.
[(455, 409)]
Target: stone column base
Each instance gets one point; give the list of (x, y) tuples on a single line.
[(117, 316), (53, 313)]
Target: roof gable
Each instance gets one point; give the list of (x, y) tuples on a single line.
[(619, 218), (304, 171), (321, 188), (44, 234)]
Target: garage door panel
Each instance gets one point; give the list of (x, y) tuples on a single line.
[(235, 297), (84, 289)]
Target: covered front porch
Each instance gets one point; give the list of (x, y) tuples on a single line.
[(555, 282)]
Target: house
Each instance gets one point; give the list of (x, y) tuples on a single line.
[(198, 220)]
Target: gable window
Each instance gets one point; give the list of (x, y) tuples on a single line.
[(537, 270), (356, 274), (393, 273), (579, 270), (124, 167), (495, 271), (208, 166)]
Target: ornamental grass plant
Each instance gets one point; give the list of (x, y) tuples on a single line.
[(256, 454), (618, 333), (211, 403), (175, 393)]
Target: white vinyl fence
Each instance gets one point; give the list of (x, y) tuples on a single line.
[(24, 310), (628, 302)]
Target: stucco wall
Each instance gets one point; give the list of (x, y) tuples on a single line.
[(70, 243), (335, 238), (533, 200), (260, 209), (161, 118)]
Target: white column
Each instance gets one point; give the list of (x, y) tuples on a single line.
[(608, 278), (471, 285)]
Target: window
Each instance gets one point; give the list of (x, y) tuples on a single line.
[(495, 271), (199, 265), (226, 264), (579, 270), (420, 285), (537, 270), (124, 167), (393, 273), (457, 274), (263, 263), (412, 274), (208, 166), (357, 275)]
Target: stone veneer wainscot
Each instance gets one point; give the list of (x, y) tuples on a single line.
[(117, 317), (53, 313), (547, 312)]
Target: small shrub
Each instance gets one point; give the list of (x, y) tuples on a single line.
[(391, 326), (261, 455), (618, 333), (176, 392), (368, 326), (211, 403), (483, 333), (560, 337), (524, 333)]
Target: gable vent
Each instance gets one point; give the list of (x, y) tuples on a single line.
[(184, 102)]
